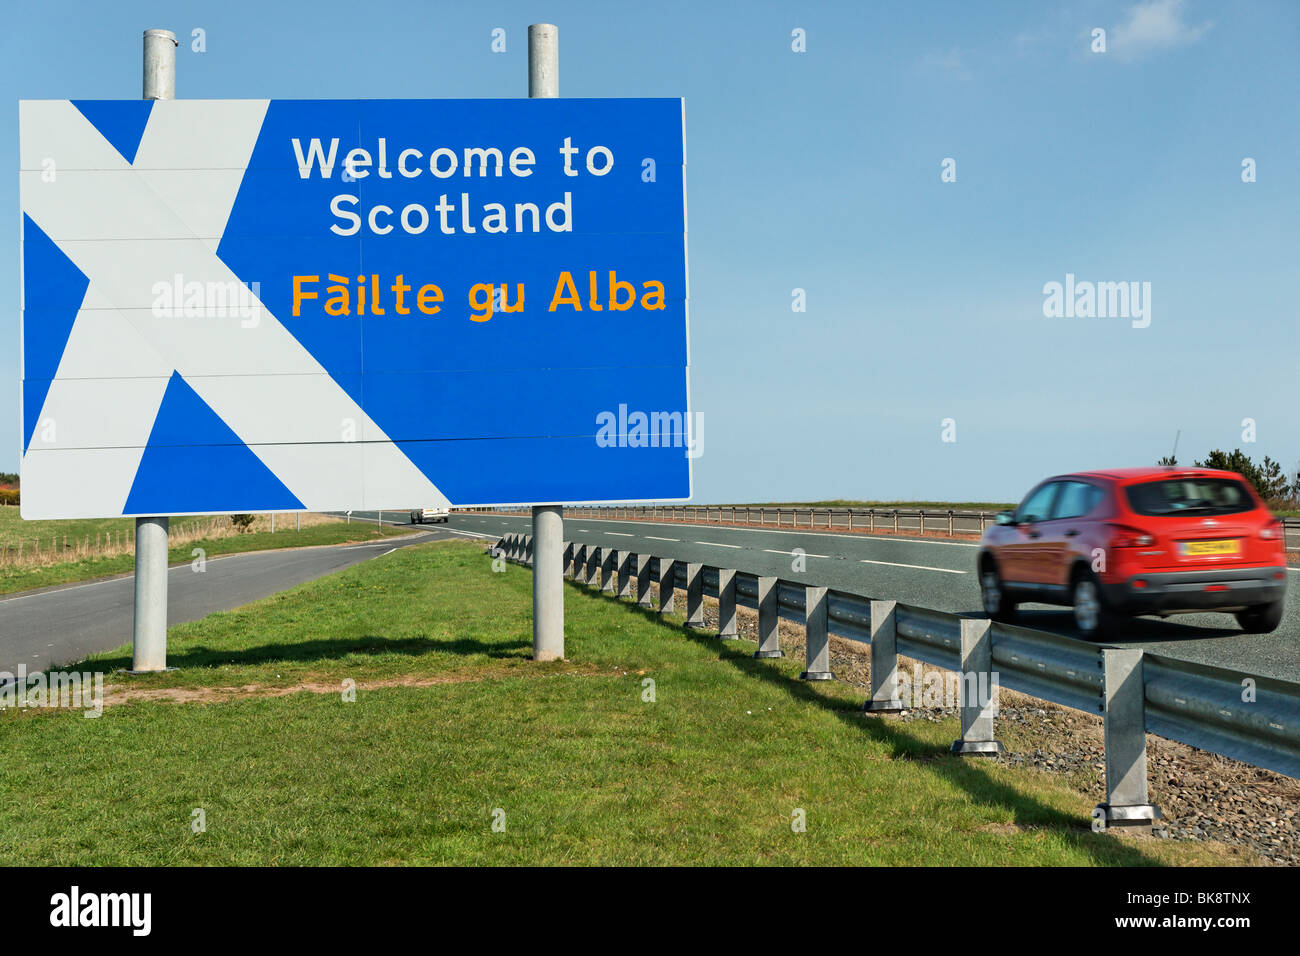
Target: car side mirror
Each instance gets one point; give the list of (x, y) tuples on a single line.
[(1006, 517)]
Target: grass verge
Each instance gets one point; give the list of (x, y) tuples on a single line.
[(83, 567), (650, 745)]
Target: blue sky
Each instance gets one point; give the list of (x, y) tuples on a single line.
[(821, 171)]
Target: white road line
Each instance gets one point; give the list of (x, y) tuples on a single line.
[(841, 536), (651, 537), (621, 534), (792, 553), (715, 544), (918, 567), (471, 534)]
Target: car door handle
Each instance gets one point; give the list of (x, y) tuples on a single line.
[(1072, 532)]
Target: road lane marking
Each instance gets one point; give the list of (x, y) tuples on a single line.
[(715, 544), (621, 534), (846, 535), (794, 553), (918, 567), (651, 537)]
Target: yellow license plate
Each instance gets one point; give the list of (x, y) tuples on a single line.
[(1196, 549)]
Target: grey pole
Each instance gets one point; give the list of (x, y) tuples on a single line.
[(159, 65), (548, 520), (544, 60), (149, 632), (548, 583)]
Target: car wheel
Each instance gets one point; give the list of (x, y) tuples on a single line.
[(1092, 619), (1261, 619), (997, 604)]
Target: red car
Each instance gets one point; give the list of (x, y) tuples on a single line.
[(1138, 541)]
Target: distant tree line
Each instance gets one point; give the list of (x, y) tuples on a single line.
[(1273, 484)]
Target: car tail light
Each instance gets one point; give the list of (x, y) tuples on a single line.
[(1122, 536), (1271, 531)]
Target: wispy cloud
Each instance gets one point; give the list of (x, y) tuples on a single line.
[(1154, 25), (953, 63)]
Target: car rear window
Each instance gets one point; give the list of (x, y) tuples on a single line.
[(1202, 496)]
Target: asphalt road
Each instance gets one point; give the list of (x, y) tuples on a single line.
[(923, 571), (60, 625)]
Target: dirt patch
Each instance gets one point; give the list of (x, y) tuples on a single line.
[(116, 694)]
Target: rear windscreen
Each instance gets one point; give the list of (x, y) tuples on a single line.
[(1202, 496)]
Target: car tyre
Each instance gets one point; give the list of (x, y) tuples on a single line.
[(997, 603), (1092, 618), (1262, 618)]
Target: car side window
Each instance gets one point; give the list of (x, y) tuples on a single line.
[(1038, 505), (1076, 499)]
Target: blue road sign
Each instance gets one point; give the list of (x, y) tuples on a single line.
[(255, 305)]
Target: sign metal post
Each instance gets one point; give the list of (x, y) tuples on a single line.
[(548, 520), (149, 630)]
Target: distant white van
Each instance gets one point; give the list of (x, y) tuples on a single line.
[(428, 515)]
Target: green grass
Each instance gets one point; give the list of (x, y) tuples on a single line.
[(23, 577), (452, 721)]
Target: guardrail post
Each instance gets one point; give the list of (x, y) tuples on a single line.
[(884, 660), (978, 687), (727, 605), (580, 563), (624, 561), (694, 594), (528, 549), (817, 638), (607, 570), (593, 566), (643, 580), (895, 521), (566, 558), (1127, 804), (769, 634), (667, 584), (950, 522)]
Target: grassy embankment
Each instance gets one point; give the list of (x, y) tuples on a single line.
[(651, 744)]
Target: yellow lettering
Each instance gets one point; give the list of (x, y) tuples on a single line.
[(571, 298), (340, 300), (427, 296), (299, 294), (658, 289)]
